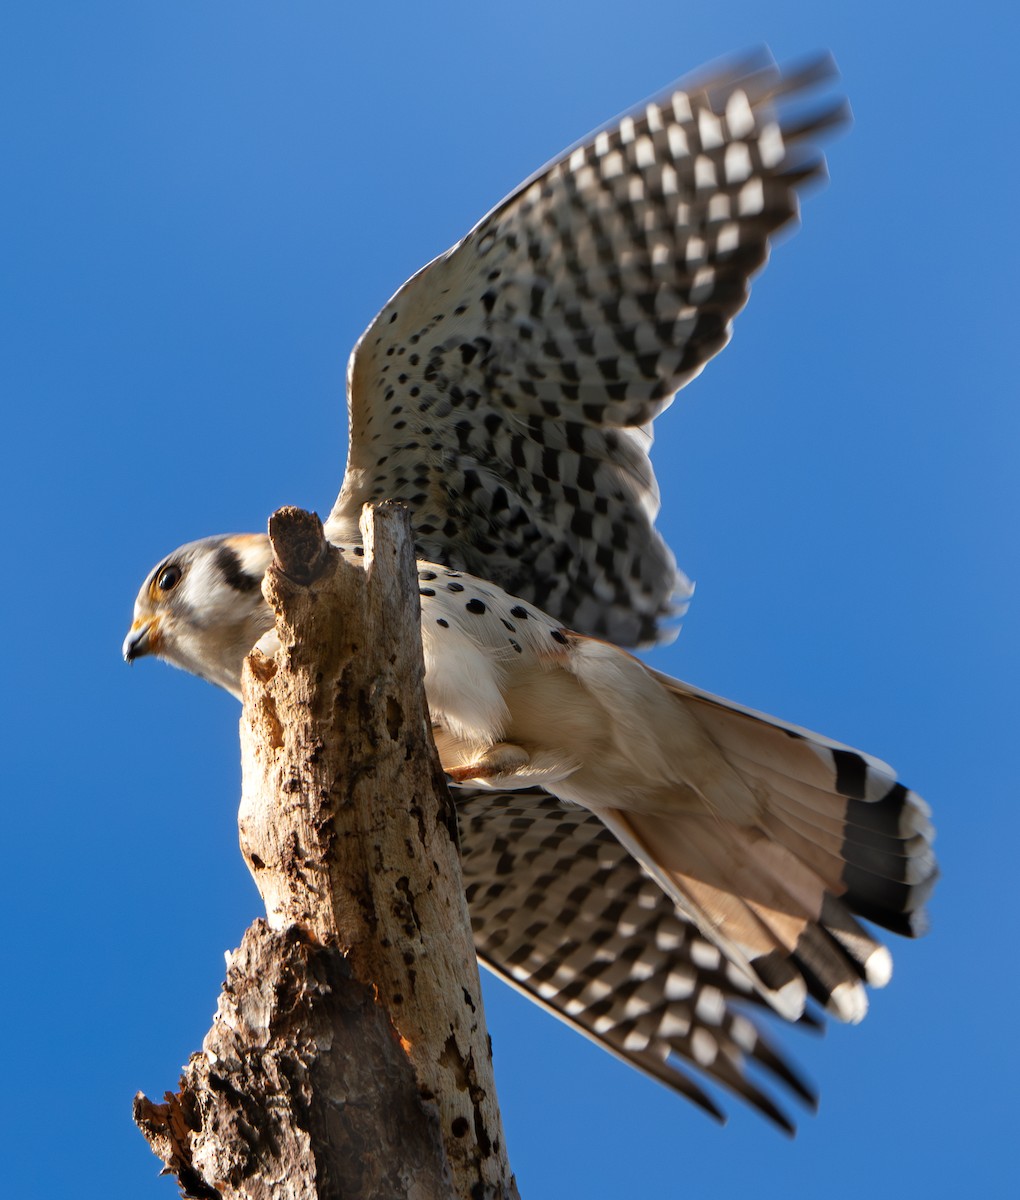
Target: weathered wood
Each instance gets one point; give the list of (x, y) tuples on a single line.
[(350, 834), (284, 1101)]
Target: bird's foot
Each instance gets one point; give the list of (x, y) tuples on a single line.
[(501, 761)]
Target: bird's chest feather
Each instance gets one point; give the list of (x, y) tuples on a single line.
[(486, 654)]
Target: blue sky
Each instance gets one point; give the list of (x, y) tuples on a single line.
[(203, 205)]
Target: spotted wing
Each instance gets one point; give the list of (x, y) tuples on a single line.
[(506, 392), (561, 911)]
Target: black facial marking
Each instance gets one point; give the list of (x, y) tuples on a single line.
[(229, 563)]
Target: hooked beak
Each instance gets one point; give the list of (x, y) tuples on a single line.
[(141, 639)]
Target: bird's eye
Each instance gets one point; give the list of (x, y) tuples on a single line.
[(168, 578)]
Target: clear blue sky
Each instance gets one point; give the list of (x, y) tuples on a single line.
[(202, 206)]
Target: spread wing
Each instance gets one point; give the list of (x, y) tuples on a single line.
[(563, 913), (506, 392)]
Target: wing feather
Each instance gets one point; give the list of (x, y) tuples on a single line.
[(563, 913), (506, 392)]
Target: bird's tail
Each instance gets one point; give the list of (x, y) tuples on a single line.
[(831, 833)]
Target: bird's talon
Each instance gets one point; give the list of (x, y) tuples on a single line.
[(499, 761)]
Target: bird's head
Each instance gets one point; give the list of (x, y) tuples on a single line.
[(202, 608)]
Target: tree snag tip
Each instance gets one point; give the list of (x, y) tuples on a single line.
[(299, 544), (386, 532)]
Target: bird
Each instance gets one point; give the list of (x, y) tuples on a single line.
[(694, 861)]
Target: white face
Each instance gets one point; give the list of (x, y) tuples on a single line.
[(202, 608)]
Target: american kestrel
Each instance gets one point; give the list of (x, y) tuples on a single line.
[(639, 855)]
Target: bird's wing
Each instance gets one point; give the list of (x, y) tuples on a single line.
[(563, 913), (506, 392)]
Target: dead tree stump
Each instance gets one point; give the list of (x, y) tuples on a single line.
[(349, 1056)]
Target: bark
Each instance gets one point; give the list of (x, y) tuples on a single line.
[(349, 1056)]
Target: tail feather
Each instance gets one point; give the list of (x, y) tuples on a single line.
[(877, 880), (804, 773), (813, 803), (787, 894), (837, 798), (737, 925), (774, 882), (902, 859)]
